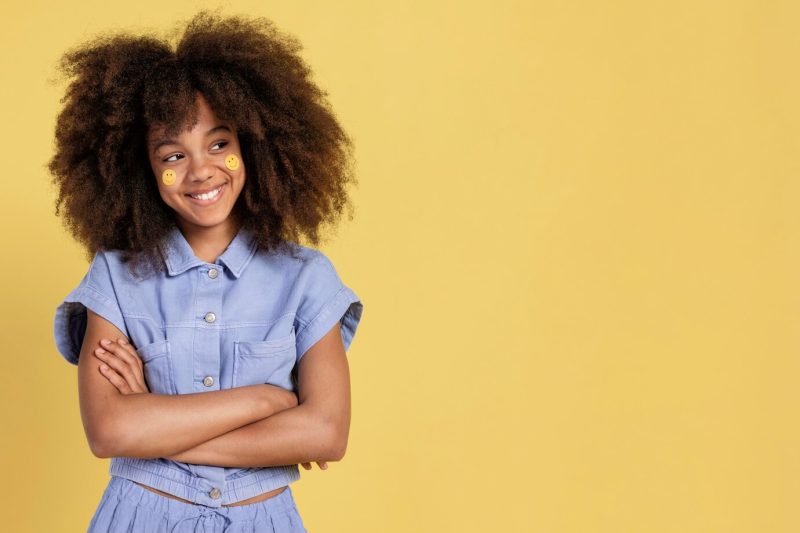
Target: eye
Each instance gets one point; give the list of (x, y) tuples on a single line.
[(170, 160), (223, 143)]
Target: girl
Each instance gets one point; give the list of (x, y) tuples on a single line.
[(210, 345)]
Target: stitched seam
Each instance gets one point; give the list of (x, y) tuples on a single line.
[(101, 296), (324, 312), (276, 471)]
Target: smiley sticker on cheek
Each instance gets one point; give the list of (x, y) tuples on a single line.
[(232, 162), (168, 177)]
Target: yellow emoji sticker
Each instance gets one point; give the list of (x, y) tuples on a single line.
[(168, 177), (232, 162)]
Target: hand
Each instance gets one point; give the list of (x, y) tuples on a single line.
[(323, 465), (124, 368)]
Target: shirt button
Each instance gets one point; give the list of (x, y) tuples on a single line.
[(213, 273), (215, 493), (208, 381), (210, 317)]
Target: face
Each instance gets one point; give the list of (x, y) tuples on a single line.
[(196, 165)]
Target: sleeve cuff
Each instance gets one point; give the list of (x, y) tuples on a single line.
[(345, 307), (70, 319)]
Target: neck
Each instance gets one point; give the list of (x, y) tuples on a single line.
[(208, 243)]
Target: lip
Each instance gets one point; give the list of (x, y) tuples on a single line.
[(210, 201), (204, 191)]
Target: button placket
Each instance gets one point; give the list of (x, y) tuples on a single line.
[(207, 357)]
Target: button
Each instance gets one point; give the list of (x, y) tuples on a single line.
[(215, 493), (213, 273), (208, 381), (210, 317)]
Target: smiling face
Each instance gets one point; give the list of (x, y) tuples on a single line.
[(199, 172)]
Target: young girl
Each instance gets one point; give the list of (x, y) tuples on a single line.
[(210, 345)]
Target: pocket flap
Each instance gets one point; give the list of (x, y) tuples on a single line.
[(264, 348), (151, 351)]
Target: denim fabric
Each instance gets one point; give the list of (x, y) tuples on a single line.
[(125, 507), (247, 318)]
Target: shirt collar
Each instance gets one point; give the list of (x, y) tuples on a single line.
[(180, 257)]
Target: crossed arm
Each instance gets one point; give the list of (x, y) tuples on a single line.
[(257, 425)]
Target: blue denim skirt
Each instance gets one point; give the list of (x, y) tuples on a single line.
[(125, 507)]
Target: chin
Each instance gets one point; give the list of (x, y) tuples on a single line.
[(203, 221)]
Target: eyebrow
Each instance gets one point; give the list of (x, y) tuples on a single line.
[(161, 142)]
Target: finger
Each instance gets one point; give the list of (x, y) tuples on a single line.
[(134, 364), (120, 366), (307, 466), (120, 351), (113, 362), (127, 346), (115, 379), (139, 367), (323, 465)]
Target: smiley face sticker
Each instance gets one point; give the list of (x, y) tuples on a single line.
[(232, 162), (168, 177)]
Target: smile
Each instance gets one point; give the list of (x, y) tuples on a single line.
[(209, 197)]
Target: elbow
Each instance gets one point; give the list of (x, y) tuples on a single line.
[(336, 444), (97, 447), (106, 440), (101, 444), (337, 453)]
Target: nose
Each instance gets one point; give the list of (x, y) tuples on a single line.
[(201, 169)]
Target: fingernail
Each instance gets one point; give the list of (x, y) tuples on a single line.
[(103, 367), (122, 341), (105, 342), (100, 351)]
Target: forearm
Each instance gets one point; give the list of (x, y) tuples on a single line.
[(157, 425), (292, 436)]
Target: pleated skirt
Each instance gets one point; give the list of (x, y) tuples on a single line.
[(125, 507)]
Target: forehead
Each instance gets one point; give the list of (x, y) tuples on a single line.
[(201, 115)]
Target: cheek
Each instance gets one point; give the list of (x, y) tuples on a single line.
[(166, 192), (240, 181)]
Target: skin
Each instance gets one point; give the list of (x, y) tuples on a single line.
[(120, 425), (123, 368), (225, 427), (197, 157)]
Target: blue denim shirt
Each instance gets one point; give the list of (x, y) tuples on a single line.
[(247, 318)]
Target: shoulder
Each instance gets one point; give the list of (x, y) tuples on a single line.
[(304, 272), (102, 269), (298, 260), (117, 267)]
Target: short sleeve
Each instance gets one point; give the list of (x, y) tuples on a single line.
[(96, 292), (325, 301)]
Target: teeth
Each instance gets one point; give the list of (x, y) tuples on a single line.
[(207, 196)]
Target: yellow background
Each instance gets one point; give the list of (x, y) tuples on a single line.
[(576, 240)]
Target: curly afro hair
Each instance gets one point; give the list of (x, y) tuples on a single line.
[(298, 157)]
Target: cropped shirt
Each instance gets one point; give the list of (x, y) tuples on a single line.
[(245, 319)]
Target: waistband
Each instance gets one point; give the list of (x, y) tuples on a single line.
[(211, 491), (180, 511)]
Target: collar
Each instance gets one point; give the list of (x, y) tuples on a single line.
[(179, 256)]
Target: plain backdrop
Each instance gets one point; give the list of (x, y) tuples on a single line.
[(575, 238)]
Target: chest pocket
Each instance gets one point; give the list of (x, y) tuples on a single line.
[(157, 364), (272, 361)]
